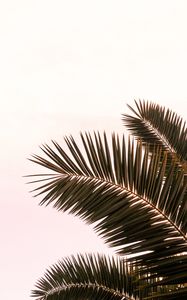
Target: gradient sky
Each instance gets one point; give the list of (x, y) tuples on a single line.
[(67, 66)]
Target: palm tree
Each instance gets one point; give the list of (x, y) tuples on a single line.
[(134, 192)]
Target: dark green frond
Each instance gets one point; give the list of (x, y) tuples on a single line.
[(137, 208), (135, 195), (95, 277), (155, 124), (98, 277)]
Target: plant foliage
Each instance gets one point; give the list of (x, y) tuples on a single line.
[(134, 193)]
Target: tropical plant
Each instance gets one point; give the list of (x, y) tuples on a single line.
[(134, 192)]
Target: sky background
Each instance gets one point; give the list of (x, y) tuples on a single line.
[(66, 67)]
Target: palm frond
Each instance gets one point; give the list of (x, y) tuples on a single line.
[(137, 208), (88, 277), (99, 277), (155, 124)]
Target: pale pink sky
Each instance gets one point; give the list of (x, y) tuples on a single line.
[(67, 66)]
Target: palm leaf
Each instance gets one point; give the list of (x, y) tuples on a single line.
[(155, 124), (125, 191), (88, 277), (98, 277)]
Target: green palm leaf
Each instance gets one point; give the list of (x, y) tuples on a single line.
[(88, 277), (155, 124), (99, 277), (137, 208)]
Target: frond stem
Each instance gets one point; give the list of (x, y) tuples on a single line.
[(88, 285)]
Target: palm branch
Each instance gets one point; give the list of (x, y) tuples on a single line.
[(155, 124), (99, 277), (88, 277), (126, 194)]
